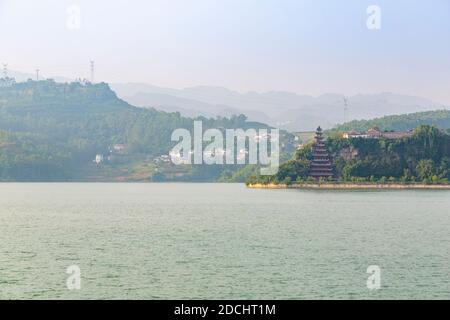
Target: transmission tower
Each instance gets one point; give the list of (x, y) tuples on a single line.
[(5, 70), (92, 71), (345, 108)]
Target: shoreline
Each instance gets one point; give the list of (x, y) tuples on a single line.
[(352, 186)]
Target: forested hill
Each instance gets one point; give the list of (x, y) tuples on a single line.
[(424, 157), (404, 122), (79, 120), (52, 131)]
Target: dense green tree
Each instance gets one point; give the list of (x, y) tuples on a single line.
[(425, 169), (424, 156)]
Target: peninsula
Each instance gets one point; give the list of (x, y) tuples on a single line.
[(415, 159)]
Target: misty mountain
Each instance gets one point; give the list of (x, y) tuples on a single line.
[(190, 107), (287, 110)]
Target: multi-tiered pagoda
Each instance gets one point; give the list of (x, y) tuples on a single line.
[(321, 163)]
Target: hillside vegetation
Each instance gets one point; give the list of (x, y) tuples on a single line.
[(404, 122), (52, 131), (424, 157)]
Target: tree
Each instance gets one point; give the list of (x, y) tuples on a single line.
[(444, 168), (406, 176), (293, 169), (425, 169)]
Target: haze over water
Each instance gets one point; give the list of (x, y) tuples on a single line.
[(185, 241)]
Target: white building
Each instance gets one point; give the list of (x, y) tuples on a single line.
[(98, 158)]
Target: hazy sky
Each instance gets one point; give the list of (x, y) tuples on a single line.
[(310, 47)]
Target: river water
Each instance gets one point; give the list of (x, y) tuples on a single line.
[(221, 241)]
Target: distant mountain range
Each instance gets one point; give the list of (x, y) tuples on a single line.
[(286, 110)]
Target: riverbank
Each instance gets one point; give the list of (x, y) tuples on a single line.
[(352, 186)]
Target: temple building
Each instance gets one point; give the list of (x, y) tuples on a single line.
[(321, 163), (375, 133)]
